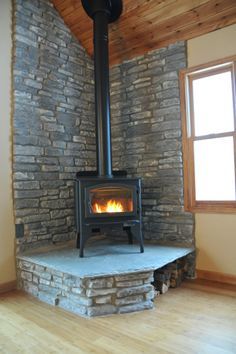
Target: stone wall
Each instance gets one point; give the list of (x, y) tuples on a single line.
[(53, 122), (90, 297), (146, 132)]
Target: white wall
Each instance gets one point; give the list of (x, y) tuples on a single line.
[(215, 233), (7, 259)]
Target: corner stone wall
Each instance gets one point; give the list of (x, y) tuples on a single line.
[(53, 122), (54, 129), (147, 142)]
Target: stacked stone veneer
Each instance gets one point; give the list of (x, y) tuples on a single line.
[(54, 130), (146, 132), (87, 296), (53, 121)]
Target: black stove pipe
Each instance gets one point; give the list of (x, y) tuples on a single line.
[(102, 12), (102, 95)]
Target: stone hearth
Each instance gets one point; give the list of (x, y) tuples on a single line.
[(111, 279)]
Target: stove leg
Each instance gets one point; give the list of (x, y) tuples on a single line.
[(81, 248), (84, 235), (81, 243), (137, 232), (78, 240), (130, 236)]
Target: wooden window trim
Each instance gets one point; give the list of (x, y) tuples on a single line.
[(187, 137)]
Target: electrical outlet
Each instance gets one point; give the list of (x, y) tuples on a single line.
[(19, 230)]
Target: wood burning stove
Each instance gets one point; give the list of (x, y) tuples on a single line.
[(104, 198), (106, 203)]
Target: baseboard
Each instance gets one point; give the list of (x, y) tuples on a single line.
[(5, 287), (215, 276)]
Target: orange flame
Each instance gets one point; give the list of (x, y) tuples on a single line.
[(112, 206)]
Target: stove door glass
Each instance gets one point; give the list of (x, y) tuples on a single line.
[(111, 199)]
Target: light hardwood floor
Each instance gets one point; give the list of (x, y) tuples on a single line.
[(194, 318)]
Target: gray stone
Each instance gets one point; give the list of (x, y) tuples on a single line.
[(23, 176), (44, 281), (150, 295), (56, 273), (49, 290), (45, 297), (98, 292), (149, 280), (35, 279), (58, 214), (45, 275), (26, 275), (136, 307), (101, 310), (26, 159), (164, 126), (137, 68), (53, 127), (103, 300), (134, 290), (100, 283), (28, 150), (129, 300), (26, 265), (54, 204), (51, 184), (22, 39), (131, 277), (33, 83), (31, 288), (29, 193), (30, 211), (141, 115), (77, 290), (127, 284), (80, 300), (39, 268), (35, 218)]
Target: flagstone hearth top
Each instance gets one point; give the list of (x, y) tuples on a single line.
[(105, 259)]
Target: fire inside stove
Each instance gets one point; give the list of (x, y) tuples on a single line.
[(111, 200)]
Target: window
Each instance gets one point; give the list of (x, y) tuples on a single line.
[(209, 137)]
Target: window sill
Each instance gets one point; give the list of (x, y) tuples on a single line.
[(212, 207)]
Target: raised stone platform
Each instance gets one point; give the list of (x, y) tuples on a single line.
[(111, 278)]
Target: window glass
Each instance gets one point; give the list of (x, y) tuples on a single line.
[(213, 104), (214, 169)]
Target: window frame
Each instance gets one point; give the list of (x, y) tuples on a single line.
[(186, 77)]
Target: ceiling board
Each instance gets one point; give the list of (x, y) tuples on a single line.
[(149, 24)]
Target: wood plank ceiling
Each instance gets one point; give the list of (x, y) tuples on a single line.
[(149, 24)]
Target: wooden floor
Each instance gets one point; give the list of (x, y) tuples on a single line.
[(194, 318)]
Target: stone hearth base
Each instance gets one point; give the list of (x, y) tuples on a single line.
[(89, 286)]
